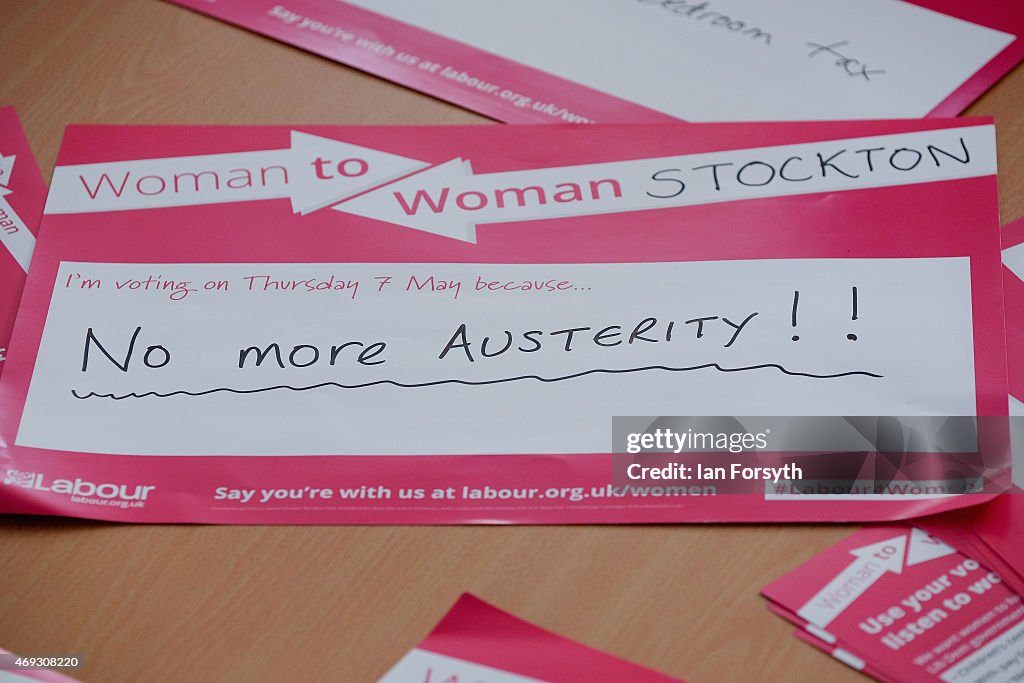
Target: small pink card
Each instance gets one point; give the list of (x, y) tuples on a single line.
[(898, 603), (479, 642), (644, 61), (22, 193)]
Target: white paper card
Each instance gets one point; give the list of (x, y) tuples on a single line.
[(372, 359), (728, 60)]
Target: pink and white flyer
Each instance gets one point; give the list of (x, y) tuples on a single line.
[(423, 325), (648, 61), (22, 193), (479, 642), (900, 605)]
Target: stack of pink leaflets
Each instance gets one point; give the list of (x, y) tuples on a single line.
[(478, 642), (900, 605), (992, 533)]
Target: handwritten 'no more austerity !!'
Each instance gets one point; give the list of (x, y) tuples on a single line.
[(681, 329)]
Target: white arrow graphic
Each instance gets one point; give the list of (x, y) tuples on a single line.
[(925, 548), (14, 234), (871, 564), (314, 172), (6, 169), (1013, 258), (450, 200)]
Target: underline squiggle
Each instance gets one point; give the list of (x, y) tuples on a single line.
[(472, 383)]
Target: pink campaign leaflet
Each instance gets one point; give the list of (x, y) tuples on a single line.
[(477, 641), (415, 325), (651, 61)]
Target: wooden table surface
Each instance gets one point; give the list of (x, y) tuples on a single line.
[(195, 603)]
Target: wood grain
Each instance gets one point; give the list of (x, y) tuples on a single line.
[(177, 603)]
